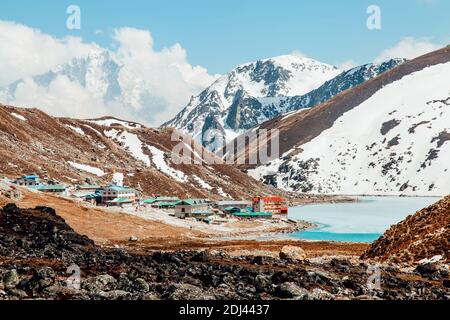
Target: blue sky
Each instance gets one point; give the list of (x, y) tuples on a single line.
[(220, 34)]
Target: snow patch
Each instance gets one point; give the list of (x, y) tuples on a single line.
[(84, 167), (18, 116), (76, 129), (110, 121), (203, 184), (118, 179), (431, 260), (131, 142), (159, 160)]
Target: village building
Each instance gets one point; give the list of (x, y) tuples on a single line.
[(88, 188), (232, 210), (274, 205), (253, 215), (93, 198), (58, 189), (164, 205), (117, 195), (192, 208), (119, 202), (149, 201), (161, 202), (242, 205), (167, 199), (28, 181)]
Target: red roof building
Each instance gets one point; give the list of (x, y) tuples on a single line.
[(275, 205)]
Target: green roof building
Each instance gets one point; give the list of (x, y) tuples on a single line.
[(253, 215)]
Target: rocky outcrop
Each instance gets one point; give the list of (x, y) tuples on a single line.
[(41, 255), (292, 253), (418, 239), (10, 192)]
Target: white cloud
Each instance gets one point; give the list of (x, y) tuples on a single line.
[(26, 51), (169, 79), (154, 85), (347, 65), (61, 98), (408, 48)]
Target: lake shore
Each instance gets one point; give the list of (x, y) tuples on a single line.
[(363, 220)]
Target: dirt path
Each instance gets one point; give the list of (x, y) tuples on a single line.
[(253, 247)]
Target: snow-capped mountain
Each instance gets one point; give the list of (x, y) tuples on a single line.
[(391, 135), (344, 81), (256, 92), (97, 72), (238, 92)]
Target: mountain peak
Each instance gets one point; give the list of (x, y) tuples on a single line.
[(289, 61)]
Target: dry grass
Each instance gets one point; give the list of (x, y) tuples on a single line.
[(101, 226)]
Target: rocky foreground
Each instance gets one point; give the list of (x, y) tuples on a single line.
[(37, 247)]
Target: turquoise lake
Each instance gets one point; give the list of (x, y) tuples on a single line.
[(362, 221)]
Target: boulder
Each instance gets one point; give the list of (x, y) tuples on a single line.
[(10, 279), (183, 291), (19, 294), (11, 208), (262, 283), (290, 290), (446, 283), (150, 297), (90, 181), (10, 191), (42, 278), (427, 269), (141, 285), (320, 294), (105, 280), (292, 253), (201, 257), (115, 295)]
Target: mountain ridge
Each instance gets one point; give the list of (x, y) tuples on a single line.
[(234, 113), (76, 151)]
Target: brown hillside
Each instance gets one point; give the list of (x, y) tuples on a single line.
[(41, 144), (421, 236)]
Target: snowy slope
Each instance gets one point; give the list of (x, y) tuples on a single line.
[(395, 142)]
